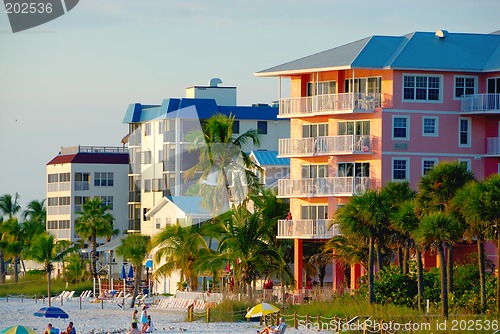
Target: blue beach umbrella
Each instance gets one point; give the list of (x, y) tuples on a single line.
[(131, 272), (51, 312), (123, 274)]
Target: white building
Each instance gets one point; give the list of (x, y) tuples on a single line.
[(158, 146), (80, 173)]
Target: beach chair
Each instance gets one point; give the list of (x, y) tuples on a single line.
[(70, 294)]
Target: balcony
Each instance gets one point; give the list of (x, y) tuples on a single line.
[(324, 186), (307, 229), (329, 104), (318, 146), (493, 147), (481, 104)]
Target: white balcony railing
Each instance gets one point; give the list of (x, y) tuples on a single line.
[(481, 103), (93, 149), (329, 103), (324, 186), (307, 229), (493, 146), (346, 144)]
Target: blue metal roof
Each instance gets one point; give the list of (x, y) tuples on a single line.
[(419, 51), (269, 158), (205, 108)]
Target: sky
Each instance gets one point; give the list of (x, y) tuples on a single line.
[(69, 82)]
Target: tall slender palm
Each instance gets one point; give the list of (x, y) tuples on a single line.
[(222, 157), (436, 191), (134, 248), (435, 229), (491, 198), (178, 247), (46, 249), (366, 217), (94, 221), (36, 212), (8, 207)]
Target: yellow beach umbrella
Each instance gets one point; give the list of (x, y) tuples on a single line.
[(17, 330), (261, 309)]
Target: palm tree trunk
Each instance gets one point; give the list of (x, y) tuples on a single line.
[(420, 279), (379, 257), (16, 268), (449, 267), (406, 258), (444, 278), (48, 287), (371, 262), (481, 263), (93, 256), (2, 268), (137, 283), (400, 258)]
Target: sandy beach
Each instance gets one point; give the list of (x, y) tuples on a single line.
[(112, 319)]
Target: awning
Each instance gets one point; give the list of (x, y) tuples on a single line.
[(110, 246)]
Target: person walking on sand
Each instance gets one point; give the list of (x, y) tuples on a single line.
[(135, 316), (133, 329), (144, 319)]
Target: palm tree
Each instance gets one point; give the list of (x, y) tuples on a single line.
[(222, 157), (94, 221), (366, 217), (12, 233), (436, 191), (75, 269), (36, 212), (46, 249), (8, 207), (178, 247), (134, 248), (491, 199), (435, 229)]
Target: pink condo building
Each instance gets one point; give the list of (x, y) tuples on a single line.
[(384, 108)]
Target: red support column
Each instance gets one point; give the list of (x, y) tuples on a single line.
[(338, 277), (356, 273), (297, 262)]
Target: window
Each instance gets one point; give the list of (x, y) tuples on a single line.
[(465, 86), (79, 200), (314, 212), (53, 201), (464, 132), (430, 126), (351, 169), (421, 88), (314, 171), (427, 165), (466, 162), (400, 127), (493, 86), (66, 200), (82, 181), (321, 88), (64, 177), (107, 201), (364, 85), (262, 127), (314, 130), (53, 178), (236, 127), (103, 179), (358, 128), (147, 129), (147, 186), (146, 157), (400, 169)]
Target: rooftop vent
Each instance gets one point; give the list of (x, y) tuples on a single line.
[(442, 33), (214, 82)]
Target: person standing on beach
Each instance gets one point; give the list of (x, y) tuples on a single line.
[(144, 319), (133, 329), (135, 316)]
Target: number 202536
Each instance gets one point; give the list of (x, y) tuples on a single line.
[(28, 8)]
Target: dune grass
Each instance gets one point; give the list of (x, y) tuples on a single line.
[(30, 286)]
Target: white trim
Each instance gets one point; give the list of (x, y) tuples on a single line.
[(476, 80), (424, 160), (441, 81), (469, 130), (436, 126), (408, 127), (432, 112), (422, 154), (407, 171)]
